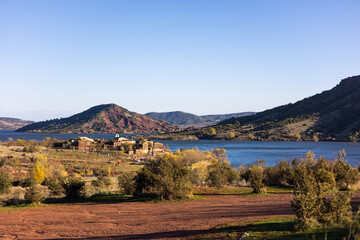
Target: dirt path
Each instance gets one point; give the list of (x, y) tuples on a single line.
[(162, 220)]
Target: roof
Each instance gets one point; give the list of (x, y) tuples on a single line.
[(122, 139), (85, 138)]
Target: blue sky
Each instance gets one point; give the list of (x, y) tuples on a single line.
[(58, 58)]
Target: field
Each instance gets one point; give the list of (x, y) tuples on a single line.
[(213, 216), (232, 211), (139, 220)]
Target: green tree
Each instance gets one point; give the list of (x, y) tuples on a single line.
[(256, 178), (166, 178), (127, 183), (344, 174), (74, 187), (313, 208), (34, 194), (5, 182)]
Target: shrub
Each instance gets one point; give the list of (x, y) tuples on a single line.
[(192, 156), (166, 178), (127, 183), (307, 202), (74, 187), (30, 149), (27, 182), (256, 178), (34, 194), (344, 174), (102, 181), (5, 182), (14, 199), (313, 209), (221, 174), (55, 186), (279, 175), (338, 209)]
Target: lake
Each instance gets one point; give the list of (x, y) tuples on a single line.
[(239, 152)]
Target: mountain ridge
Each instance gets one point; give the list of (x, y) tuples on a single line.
[(184, 119), (8, 123), (104, 118), (332, 115)]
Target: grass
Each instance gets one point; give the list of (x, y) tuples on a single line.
[(116, 198), (10, 208), (245, 191), (274, 229)]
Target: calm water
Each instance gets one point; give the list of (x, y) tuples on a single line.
[(239, 152)]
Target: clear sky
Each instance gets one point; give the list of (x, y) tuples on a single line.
[(60, 57)]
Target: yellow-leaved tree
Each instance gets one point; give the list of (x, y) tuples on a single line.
[(40, 169)]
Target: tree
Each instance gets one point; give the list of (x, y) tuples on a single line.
[(212, 131), (308, 196), (220, 155), (344, 174), (127, 147), (256, 178), (5, 182), (40, 169), (165, 178), (74, 187), (141, 140), (313, 177), (34, 194), (127, 183)]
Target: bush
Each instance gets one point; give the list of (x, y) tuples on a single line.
[(256, 178), (166, 178), (345, 175), (14, 199), (27, 182), (55, 186), (221, 174), (279, 175), (311, 205), (74, 187), (338, 210), (34, 194), (5, 182), (102, 181), (127, 183), (30, 149)]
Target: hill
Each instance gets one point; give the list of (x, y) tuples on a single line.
[(7, 123), (184, 120), (332, 115), (107, 118)]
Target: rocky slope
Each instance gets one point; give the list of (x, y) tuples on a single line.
[(107, 118)]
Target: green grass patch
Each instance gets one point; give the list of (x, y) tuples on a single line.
[(244, 191), (274, 229), (116, 198), (280, 189), (11, 208)]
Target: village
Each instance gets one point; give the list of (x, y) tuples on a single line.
[(139, 148)]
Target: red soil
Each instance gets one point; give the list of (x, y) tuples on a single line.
[(164, 220)]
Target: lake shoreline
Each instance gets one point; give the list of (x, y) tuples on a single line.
[(239, 152)]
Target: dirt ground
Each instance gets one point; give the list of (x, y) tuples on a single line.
[(163, 220)]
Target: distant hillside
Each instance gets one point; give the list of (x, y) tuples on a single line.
[(329, 116), (7, 123), (107, 118), (183, 119)]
